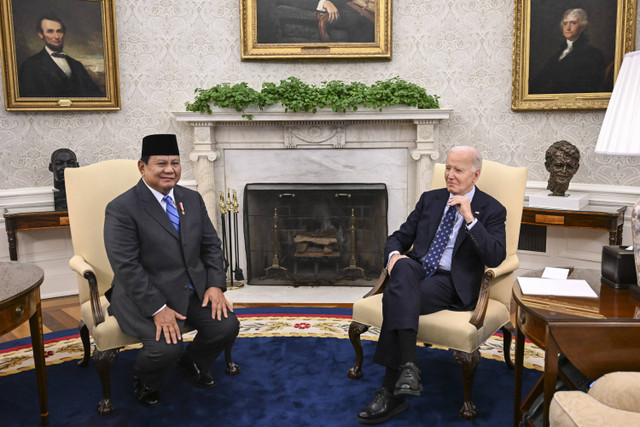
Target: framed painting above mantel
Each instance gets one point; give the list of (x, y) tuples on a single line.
[(59, 55), (567, 53), (289, 29)]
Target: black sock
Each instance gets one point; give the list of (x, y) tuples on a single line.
[(390, 378), (407, 339)]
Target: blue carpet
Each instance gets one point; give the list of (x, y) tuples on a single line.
[(285, 381)]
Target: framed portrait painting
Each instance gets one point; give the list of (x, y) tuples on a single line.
[(567, 53), (59, 55), (284, 29)]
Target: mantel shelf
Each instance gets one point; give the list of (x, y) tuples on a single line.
[(277, 115)]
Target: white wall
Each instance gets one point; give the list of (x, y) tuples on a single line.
[(458, 49)]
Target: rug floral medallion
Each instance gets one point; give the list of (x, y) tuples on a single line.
[(59, 350)]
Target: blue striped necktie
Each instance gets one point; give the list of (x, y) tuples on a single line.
[(432, 259), (172, 213)]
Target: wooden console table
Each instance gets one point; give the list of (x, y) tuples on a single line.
[(597, 335), (606, 218), (33, 219)]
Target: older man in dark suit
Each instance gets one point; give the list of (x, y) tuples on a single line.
[(51, 72), (168, 270), (452, 234)]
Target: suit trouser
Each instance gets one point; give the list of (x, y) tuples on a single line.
[(212, 338), (408, 295)]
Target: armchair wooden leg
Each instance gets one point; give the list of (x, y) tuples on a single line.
[(86, 344), (103, 360), (355, 330), (507, 336), (232, 367), (469, 362)]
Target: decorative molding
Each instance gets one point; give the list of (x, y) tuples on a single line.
[(314, 135), (276, 115), (395, 127)]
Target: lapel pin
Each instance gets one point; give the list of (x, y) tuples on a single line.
[(476, 212), (181, 208)]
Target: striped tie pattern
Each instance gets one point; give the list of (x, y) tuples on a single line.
[(432, 259), (172, 213)]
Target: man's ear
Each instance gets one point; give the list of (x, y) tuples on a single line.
[(50, 167)]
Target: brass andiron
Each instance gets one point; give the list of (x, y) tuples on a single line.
[(275, 267), (352, 251), (237, 271), (230, 238)]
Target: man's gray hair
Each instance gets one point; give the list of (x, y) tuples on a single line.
[(583, 18), (476, 161)]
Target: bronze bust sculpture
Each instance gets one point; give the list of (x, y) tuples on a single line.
[(562, 160), (61, 159)]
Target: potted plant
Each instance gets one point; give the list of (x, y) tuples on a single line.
[(296, 95)]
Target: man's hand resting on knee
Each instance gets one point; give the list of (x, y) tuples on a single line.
[(394, 258), (165, 321)]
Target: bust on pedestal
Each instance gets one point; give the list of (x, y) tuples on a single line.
[(562, 160), (61, 159)]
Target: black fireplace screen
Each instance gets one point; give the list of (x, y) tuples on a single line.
[(314, 234)]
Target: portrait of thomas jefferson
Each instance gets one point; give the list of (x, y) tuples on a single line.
[(572, 52)]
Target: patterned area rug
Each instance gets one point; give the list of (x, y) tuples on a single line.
[(270, 324)]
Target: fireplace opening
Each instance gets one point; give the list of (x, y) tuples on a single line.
[(314, 234)]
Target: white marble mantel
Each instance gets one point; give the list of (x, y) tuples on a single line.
[(230, 149)]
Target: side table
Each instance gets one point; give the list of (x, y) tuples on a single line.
[(597, 335), (19, 301), (33, 219), (610, 219)]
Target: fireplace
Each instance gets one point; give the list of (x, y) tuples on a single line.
[(314, 234), (396, 146)]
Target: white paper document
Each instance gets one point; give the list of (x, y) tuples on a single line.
[(555, 273), (556, 287)]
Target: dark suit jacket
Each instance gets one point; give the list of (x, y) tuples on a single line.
[(483, 245), (152, 264), (40, 76), (581, 71)]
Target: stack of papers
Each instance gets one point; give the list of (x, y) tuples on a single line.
[(554, 282)]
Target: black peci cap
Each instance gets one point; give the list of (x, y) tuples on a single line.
[(164, 144)]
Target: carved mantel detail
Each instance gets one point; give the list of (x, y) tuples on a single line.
[(411, 129)]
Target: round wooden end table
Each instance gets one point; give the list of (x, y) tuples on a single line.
[(19, 302)]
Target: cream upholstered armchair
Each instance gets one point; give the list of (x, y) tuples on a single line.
[(89, 190), (613, 400), (463, 332)]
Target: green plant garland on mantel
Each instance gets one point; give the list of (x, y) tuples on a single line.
[(296, 95)]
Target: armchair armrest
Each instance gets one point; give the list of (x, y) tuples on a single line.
[(507, 266), (83, 268), (380, 284)]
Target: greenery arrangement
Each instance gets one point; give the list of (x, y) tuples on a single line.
[(296, 95)]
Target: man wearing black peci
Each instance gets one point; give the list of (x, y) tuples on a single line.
[(167, 264)]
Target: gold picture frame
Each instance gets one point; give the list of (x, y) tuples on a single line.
[(83, 77), (291, 29), (539, 83)]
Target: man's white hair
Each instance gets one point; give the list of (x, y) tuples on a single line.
[(581, 16), (476, 161)]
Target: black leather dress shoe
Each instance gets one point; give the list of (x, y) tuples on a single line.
[(197, 377), (146, 395), (408, 383), (382, 408)]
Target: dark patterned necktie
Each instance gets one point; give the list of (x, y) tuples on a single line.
[(172, 213), (432, 259), (58, 55)]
